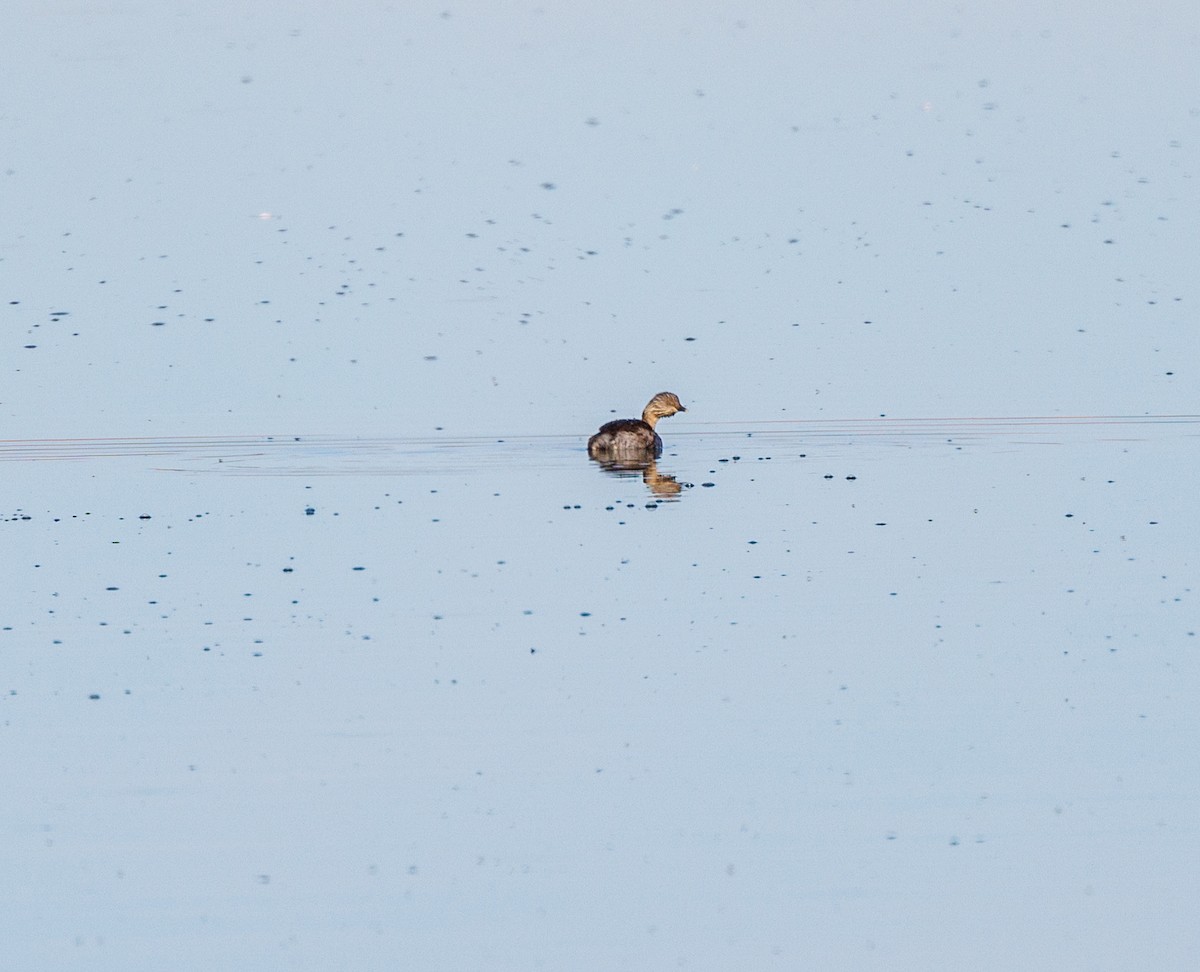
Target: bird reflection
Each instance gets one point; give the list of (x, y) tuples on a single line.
[(660, 483)]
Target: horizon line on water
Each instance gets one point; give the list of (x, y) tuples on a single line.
[(333, 454), (14, 447), (441, 435)]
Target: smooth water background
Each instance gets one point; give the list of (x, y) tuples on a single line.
[(322, 644)]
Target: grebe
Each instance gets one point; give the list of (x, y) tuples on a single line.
[(635, 438)]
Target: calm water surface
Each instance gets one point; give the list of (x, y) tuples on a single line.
[(847, 678), (416, 685)]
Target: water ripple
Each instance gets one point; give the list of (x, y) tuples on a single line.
[(310, 455)]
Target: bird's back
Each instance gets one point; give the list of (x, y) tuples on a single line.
[(625, 438)]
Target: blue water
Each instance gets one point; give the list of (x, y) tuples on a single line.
[(322, 642)]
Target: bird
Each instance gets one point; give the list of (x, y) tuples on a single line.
[(635, 438)]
